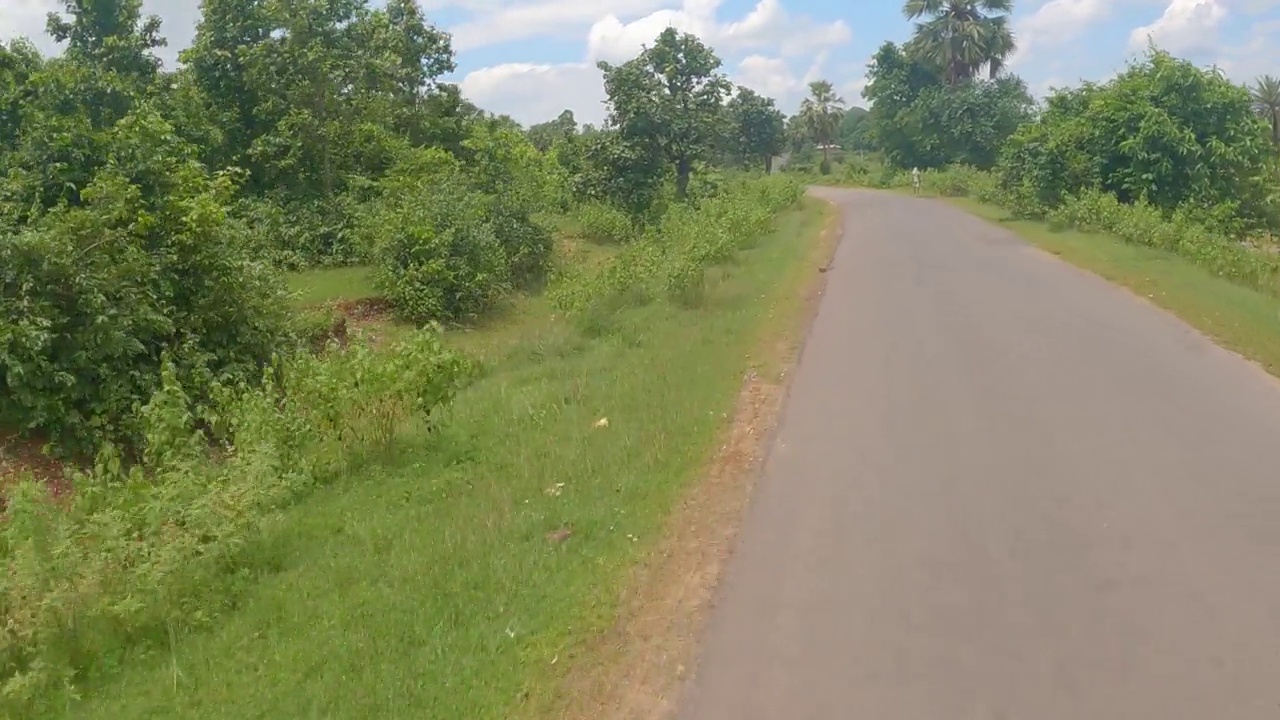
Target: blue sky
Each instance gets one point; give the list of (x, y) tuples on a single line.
[(533, 58)]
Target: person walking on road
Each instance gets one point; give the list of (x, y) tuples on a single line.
[(915, 181)]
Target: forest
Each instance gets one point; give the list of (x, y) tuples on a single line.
[(166, 396)]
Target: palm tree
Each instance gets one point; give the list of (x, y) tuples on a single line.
[(1266, 100), (820, 116), (962, 36)]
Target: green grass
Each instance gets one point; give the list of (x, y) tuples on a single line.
[(1237, 317), (426, 587), (328, 284)]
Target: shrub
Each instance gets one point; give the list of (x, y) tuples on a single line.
[(1143, 224), (1163, 132), (672, 256), (600, 222), (438, 257), (92, 296), (152, 549)]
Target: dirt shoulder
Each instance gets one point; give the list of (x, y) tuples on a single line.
[(636, 670)]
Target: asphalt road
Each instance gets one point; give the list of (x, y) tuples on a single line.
[(1002, 489)]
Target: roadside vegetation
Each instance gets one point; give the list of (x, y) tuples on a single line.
[(304, 358), (1167, 167)]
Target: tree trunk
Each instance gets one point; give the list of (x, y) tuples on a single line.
[(682, 178), (768, 164)]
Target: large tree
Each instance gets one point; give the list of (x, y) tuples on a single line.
[(820, 116), (1266, 101), (669, 100), (1164, 131), (962, 37), (918, 120), (544, 135), (757, 127)]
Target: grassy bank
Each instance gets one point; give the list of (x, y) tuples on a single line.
[(1237, 317), (450, 581)]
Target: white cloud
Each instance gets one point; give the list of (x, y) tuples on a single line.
[(1056, 22), (1187, 26), (766, 75), (533, 93), (767, 26), (499, 22), (1257, 55)]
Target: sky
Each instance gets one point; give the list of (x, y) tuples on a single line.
[(531, 59)]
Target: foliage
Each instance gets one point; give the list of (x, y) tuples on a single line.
[(918, 121), (144, 549), (756, 128), (855, 131), (599, 222), (92, 295), (668, 101), (1162, 132), (819, 118), (545, 135), (961, 37), (1266, 101), (438, 257), (671, 258)]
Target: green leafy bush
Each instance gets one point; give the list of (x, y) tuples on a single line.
[(1144, 224), (92, 296), (438, 257), (672, 256), (1162, 132), (599, 222), (155, 548)]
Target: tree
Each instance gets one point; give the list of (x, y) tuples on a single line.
[(918, 120), (757, 127), (1163, 131), (961, 37), (855, 130), (668, 100), (109, 34), (1266, 101), (820, 116), (544, 135)]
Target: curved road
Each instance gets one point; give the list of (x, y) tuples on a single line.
[(1001, 489)]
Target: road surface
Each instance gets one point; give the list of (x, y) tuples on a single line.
[(1001, 489)]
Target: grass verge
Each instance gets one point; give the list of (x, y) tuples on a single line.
[(457, 578), (1236, 317)]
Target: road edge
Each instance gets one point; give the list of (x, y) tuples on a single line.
[(650, 652)]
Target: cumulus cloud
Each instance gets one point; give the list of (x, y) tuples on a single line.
[(1185, 27), (766, 75), (768, 26), (1055, 23), (533, 93), (505, 22)]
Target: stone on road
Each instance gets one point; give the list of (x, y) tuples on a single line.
[(1001, 489)]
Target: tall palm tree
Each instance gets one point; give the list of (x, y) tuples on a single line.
[(1266, 100), (962, 36), (820, 115)]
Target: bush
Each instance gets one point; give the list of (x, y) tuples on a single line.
[(299, 235), (671, 258), (438, 257), (604, 223), (154, 549), (1181, 233), (1163, 132), (92, 296)]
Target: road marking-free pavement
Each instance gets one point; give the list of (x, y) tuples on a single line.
[(1001, 489)]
